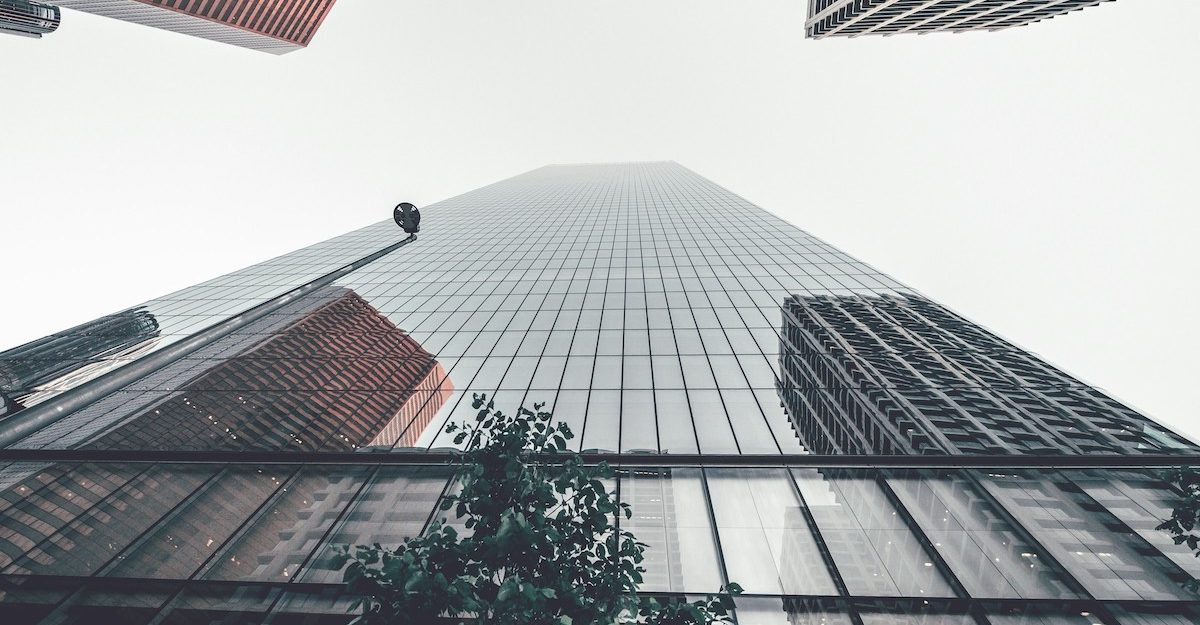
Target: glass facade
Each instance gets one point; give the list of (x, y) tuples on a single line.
[(784, 416)]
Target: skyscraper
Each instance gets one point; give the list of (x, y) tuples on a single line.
[(278, 26), (851, 18), (28, 19), (784, 416)]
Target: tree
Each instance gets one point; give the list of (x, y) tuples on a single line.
[(541, 544), (1186, 514)]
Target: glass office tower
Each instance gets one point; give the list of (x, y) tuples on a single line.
[(783, 416)]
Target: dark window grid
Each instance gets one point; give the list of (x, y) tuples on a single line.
[(979, 428), (1141, 500)]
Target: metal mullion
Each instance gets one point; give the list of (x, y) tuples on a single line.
[(557, 272), (707, 360), (1135, 537), (596, 353), (826, 556), (284, 588), (679, 358), (716, 531), (419, 457), (174, 511), (939, 562)]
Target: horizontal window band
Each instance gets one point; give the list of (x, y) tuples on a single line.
[(440, 457), (858, 602)]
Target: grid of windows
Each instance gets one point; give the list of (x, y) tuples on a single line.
[(652, 311), (278, 27), (859, 540), (851, 18)]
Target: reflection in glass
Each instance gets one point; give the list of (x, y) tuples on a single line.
[(670, 515), (1094, 546), (782, 611), (901, 374), (75, 519), (327, 371), (189, 535), (765, 539), (281, 537), (395, 505), (874, 550), (1141, 501), (38, 370), (985, 552)]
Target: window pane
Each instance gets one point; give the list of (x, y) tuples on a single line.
[(873, 549), (765, 539), (670, 515)]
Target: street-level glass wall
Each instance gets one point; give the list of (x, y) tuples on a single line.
[(807, 542)]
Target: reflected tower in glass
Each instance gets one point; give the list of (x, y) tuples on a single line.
[(784, 416)]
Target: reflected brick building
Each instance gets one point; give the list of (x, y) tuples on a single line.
[(327, 373), (339, 378)]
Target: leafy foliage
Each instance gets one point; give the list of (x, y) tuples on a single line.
[(1186, 515), (541, 544)]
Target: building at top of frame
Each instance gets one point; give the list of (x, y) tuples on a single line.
[(28, 19), (275, 26), (851, 18)]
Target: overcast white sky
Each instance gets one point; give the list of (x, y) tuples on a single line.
[(1043, 180)]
